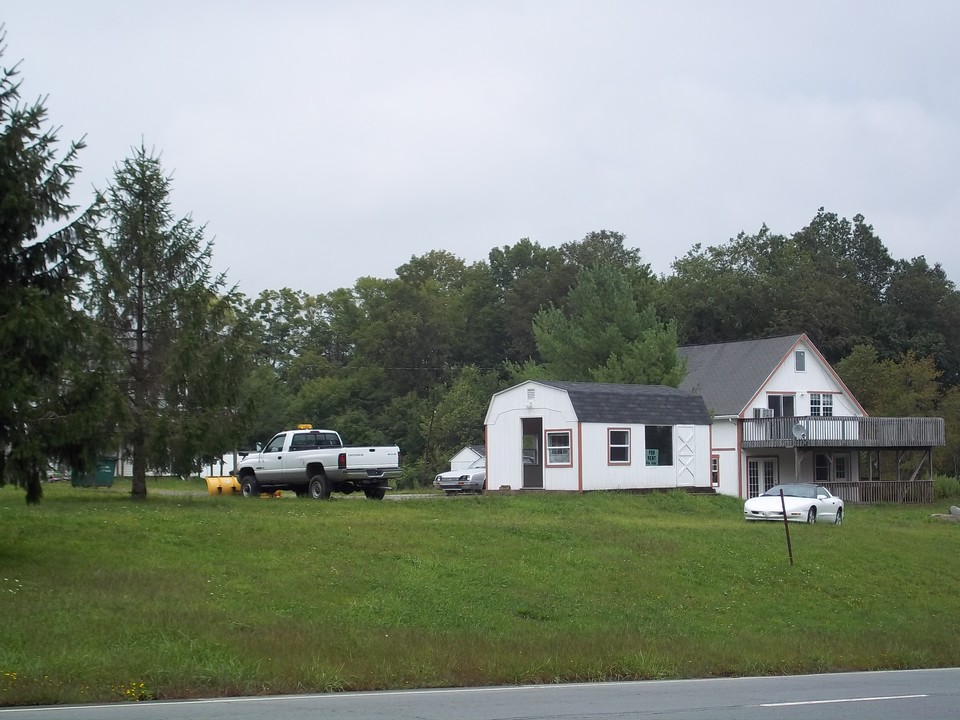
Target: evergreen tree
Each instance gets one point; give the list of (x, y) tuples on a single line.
[(601, 335), (44, 383), (178, 343)]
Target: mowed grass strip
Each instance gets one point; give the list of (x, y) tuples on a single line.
[(187, 595)]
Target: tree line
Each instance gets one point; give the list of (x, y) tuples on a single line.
[(115, 332)]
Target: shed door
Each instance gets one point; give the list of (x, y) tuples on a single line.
[(532, 453), (686, 455)]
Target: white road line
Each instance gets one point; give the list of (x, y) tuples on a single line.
[(843, 700)]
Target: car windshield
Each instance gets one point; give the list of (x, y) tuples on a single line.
[(804, 491), (479, 462)]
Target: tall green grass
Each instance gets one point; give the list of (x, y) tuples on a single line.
[(946, 488), (185, 595)]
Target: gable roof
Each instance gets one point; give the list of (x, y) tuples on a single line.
[(728, 375), (633, 404)]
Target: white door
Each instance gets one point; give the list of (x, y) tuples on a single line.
[(686, 455), (762, 474)]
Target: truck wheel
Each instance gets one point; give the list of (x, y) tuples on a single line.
[(374, 493), (319, 487), (249, 487)]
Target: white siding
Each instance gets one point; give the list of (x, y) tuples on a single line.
[(463, 459), (816, 378), (724, 445), (589, 447), (503, 428)]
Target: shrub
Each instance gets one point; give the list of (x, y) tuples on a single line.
[(946, 487)]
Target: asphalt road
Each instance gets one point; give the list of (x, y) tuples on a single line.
[(899, 695)]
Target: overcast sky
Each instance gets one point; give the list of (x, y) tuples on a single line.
[(324, 141)]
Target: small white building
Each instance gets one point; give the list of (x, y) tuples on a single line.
[(466, 457), (578, 436)]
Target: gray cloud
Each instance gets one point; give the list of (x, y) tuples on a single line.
[(320, 142)]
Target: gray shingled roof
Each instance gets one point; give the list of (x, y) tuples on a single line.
[(638, 404), (728, 375)]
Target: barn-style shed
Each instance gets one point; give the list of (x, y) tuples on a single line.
[(579, 436)]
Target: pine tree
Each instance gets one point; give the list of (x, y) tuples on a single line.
[(175, 338), (45, 388)]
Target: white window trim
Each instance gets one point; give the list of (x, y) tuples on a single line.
[(549, 450), (610, 446)]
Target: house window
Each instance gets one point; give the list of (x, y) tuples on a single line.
[(821, 467), (558, 447), (821, 405), (659, 444), (715, 470), (800, 361), (840, 467), (618, 447)]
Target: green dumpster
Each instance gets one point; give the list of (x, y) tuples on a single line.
[(101, 476)]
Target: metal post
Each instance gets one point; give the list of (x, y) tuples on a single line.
[(786, 527)]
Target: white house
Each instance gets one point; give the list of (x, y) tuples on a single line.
[(596, 436), (782, 414)]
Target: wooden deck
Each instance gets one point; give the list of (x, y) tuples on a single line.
[(883, 491), (843, 432)]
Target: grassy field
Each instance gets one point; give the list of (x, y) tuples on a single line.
[(186, 595)]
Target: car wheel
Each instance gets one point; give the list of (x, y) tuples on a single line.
[(839, 518), (249, 487), (812, 515), (319, 487), (374, 493)]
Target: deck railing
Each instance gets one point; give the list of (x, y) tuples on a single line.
[(852, 432), (882, 491)]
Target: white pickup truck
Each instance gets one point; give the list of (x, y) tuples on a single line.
[(315, 463)]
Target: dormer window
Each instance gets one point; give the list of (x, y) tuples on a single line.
[(800, 361)]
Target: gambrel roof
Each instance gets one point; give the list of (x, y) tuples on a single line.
[(633, 404), (728, 375)]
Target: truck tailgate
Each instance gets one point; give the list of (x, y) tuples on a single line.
[(372, 458)]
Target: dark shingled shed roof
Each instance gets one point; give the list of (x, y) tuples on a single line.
[(729, 374), (633, 404)]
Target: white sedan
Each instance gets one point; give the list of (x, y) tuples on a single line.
[(804, 502), (468, 480)]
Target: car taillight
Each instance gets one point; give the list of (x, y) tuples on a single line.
[(342, 461)]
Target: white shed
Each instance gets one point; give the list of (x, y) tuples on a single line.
[(578, 436), (466, 457)]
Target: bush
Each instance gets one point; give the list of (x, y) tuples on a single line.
[(946, 487), (413, 476)]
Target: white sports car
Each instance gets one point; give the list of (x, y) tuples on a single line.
[(804, 502)]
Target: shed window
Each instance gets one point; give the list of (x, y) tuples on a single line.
[(659, 444), (618, 447), (558, 447), (800, 360)]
